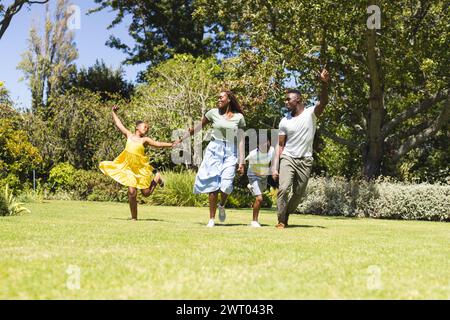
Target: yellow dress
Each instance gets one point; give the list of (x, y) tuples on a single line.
[(131, 168)]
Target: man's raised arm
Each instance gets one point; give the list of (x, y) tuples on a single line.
[(320, 106)]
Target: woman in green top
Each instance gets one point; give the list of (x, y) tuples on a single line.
[(217, 171)]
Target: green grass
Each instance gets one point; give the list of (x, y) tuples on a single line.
[(170, 254)]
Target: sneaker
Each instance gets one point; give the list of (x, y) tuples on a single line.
[(222, 214), (280, 226), (255, 224), (210, 223)]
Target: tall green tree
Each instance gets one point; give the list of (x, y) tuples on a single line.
[(49, 60), (390, 92), (160, 29)]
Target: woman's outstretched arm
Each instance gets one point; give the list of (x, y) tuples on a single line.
[(193, 131), (119, 123)]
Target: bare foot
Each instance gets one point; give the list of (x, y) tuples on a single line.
[(159, 180)]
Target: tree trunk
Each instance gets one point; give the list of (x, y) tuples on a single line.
[(374, 149)]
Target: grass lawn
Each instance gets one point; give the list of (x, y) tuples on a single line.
[(170, 254)]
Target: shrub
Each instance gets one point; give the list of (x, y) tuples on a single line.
[(95, 186), (3, 206), (67, 183), (30, 196), (410, 202), (9, 206), (18, 157), (378, 199), (62, 176), (10, 180), (178, 191)]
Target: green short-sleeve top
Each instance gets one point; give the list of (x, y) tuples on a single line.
[(225, 129)]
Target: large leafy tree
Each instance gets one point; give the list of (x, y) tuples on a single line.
[(160, 29), (390, 91), (7, 13)]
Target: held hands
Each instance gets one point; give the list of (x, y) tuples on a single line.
[(176, 143), (275, 175), (114, 108)]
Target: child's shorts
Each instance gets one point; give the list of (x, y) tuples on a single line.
[(257, 185)]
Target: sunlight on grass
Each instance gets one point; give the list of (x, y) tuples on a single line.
[(170, 254)]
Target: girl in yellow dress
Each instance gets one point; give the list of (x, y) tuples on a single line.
[(132, 168)]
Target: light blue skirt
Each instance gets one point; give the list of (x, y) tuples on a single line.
[(218, 168)]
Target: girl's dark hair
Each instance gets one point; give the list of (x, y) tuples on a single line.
[(234, 104), (139, 122)]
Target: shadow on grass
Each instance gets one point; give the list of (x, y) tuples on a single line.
[(128, 219), (219, 225), (225, 225), (304, 226)]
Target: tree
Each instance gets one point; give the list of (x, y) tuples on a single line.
[(7, 15), (4, 94), (79, 130), (6, 109), (177, 92), (160, 29), (180, 90), (48, 62), (390, 92), (104, 80)]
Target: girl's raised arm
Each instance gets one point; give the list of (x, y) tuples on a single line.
[(119, 123)]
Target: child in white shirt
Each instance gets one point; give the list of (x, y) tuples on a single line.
[(258, 170)]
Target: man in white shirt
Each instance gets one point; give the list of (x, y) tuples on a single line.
[(295, 149)]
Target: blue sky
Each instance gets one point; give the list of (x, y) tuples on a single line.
[(90, 40)]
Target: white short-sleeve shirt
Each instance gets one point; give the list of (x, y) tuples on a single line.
[(259, 162), (299, 132)]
